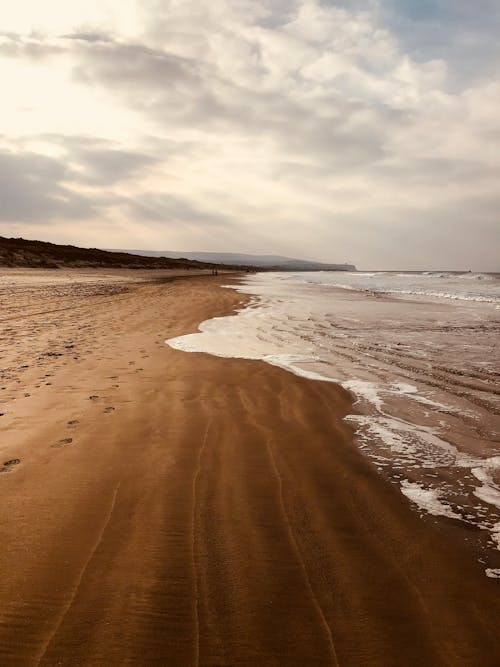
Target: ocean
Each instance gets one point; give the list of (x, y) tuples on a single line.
[(419, 352)]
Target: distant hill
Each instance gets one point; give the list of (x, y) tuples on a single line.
[(261, 261), (18, 252), (40, 254)]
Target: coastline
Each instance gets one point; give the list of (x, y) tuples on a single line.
[(206, 511), (427, 418)]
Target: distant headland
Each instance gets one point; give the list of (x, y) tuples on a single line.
[(19, 252), (276, 262)]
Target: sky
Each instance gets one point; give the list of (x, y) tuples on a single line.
[(362, 131)]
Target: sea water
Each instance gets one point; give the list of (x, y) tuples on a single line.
[(419, 352)]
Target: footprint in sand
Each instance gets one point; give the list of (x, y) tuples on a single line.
[(109, 409), (9, 465), (73, 423), (93, 398), (62, 442)]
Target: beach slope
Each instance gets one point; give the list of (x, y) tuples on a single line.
[(166, 508)]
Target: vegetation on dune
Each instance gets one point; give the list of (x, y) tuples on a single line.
[(43, 255)]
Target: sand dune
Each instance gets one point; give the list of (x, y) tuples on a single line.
[(179, 509)]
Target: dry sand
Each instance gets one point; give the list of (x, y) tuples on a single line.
[(179, 509)]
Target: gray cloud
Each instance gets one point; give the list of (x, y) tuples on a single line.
[(123, 64), (36, 187), (187, 93), (441, 236), (460, 235), (463, 33), (98, 161), (363, 125), (174, 210), (33, 48), (32, 190), (110, 166), (88, 36), (437, 172), (105, 166)]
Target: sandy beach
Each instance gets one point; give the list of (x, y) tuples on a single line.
[(160, 507)]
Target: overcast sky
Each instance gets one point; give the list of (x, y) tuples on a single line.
[(365, 131)]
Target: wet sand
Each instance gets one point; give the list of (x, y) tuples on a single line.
[(424, 372), (166, 508)]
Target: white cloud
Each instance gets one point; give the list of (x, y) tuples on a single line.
[(54, 17), (299, 121)]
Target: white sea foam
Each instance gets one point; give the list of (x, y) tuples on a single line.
[(427, 500), (488, 492), (289, 362), (482, 288), (421, 443), (495, 534), (411, 392), (369, 391), (446, 295), (294, 322), (493, 573), (404, 388)]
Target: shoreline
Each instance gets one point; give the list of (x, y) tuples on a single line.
[(175, 508), (427, 420)]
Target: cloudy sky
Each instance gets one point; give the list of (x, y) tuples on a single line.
[(365, 131)]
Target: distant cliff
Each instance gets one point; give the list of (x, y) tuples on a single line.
[(40, 254), (262, 261)]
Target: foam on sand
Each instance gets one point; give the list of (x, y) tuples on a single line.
[(493, 573), (427, 500), (410, 421)]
